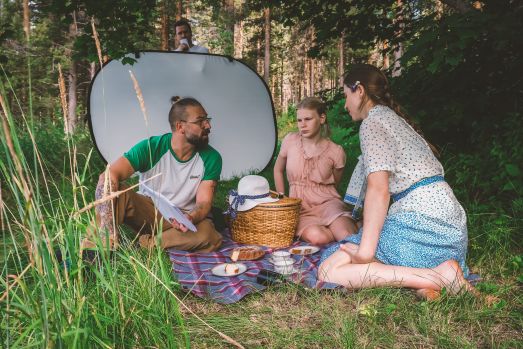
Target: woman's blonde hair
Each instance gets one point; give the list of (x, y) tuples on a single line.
[(316, 104)]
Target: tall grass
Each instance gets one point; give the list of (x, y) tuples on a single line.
[(125, 300)]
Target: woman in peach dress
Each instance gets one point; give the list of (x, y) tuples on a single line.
[(314, 166)]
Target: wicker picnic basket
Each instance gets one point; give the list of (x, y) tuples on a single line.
[(270, 224)]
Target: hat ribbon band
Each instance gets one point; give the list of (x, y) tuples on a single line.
[(240, 200)]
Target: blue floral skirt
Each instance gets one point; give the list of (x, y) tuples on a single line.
[(415, 240)]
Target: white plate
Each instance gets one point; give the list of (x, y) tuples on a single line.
[(219, 270), (304, 250)]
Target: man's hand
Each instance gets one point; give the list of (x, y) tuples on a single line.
[(180, 226), (184, 45)]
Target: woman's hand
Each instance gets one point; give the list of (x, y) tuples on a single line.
[(358, 256)]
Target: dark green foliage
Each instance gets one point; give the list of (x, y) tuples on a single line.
[(492, 177), (461, 72), (123, 26), (5, 34), (362, 22), (223, 21), (462, 75)]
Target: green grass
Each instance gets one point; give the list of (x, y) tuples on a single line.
[(291, 317), (129, 300)]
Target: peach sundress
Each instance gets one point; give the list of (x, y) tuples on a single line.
[(311, 179)]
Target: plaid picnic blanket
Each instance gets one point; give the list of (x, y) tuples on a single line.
[(193, 271)]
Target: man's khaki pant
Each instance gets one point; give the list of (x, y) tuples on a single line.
[(138, 212)]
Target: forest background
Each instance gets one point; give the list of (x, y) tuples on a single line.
[(454, 65)]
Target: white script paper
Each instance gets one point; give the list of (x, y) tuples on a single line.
[(167, 209)]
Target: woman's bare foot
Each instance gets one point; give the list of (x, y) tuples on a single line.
[(452, 278), (428, 294)]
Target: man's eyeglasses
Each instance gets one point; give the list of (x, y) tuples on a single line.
[(354, 86), (199, 122)]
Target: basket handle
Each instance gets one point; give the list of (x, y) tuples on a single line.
[(278, 195)]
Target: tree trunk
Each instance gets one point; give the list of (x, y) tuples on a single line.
[(273, 89), (72, 78), (238, 39), (281, 84), (267, 60), (72, 101), (92, 70), (187, 9), (178, 9), (27, 26), (238, 32), (165, 27), (259, 62), (398, 52), (229, 12), (397, 64), (311, 78), (306, 80), (341, 63), (321, 74), (27, 30), (229, 17)]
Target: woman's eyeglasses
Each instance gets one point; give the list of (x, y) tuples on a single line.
[(200, 122)]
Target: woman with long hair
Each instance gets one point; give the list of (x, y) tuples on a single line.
[(420, 241)]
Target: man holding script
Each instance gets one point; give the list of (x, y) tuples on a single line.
[(180, 167)]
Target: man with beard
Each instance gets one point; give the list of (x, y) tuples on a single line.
[(183, 38), (185, 170)]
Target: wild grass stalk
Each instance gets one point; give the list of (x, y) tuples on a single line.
[(141, 101), (52, 303), (96, 39)]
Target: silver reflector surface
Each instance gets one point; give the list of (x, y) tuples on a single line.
[(234, 96)]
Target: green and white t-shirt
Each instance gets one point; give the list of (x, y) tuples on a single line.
[(179, 180)]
